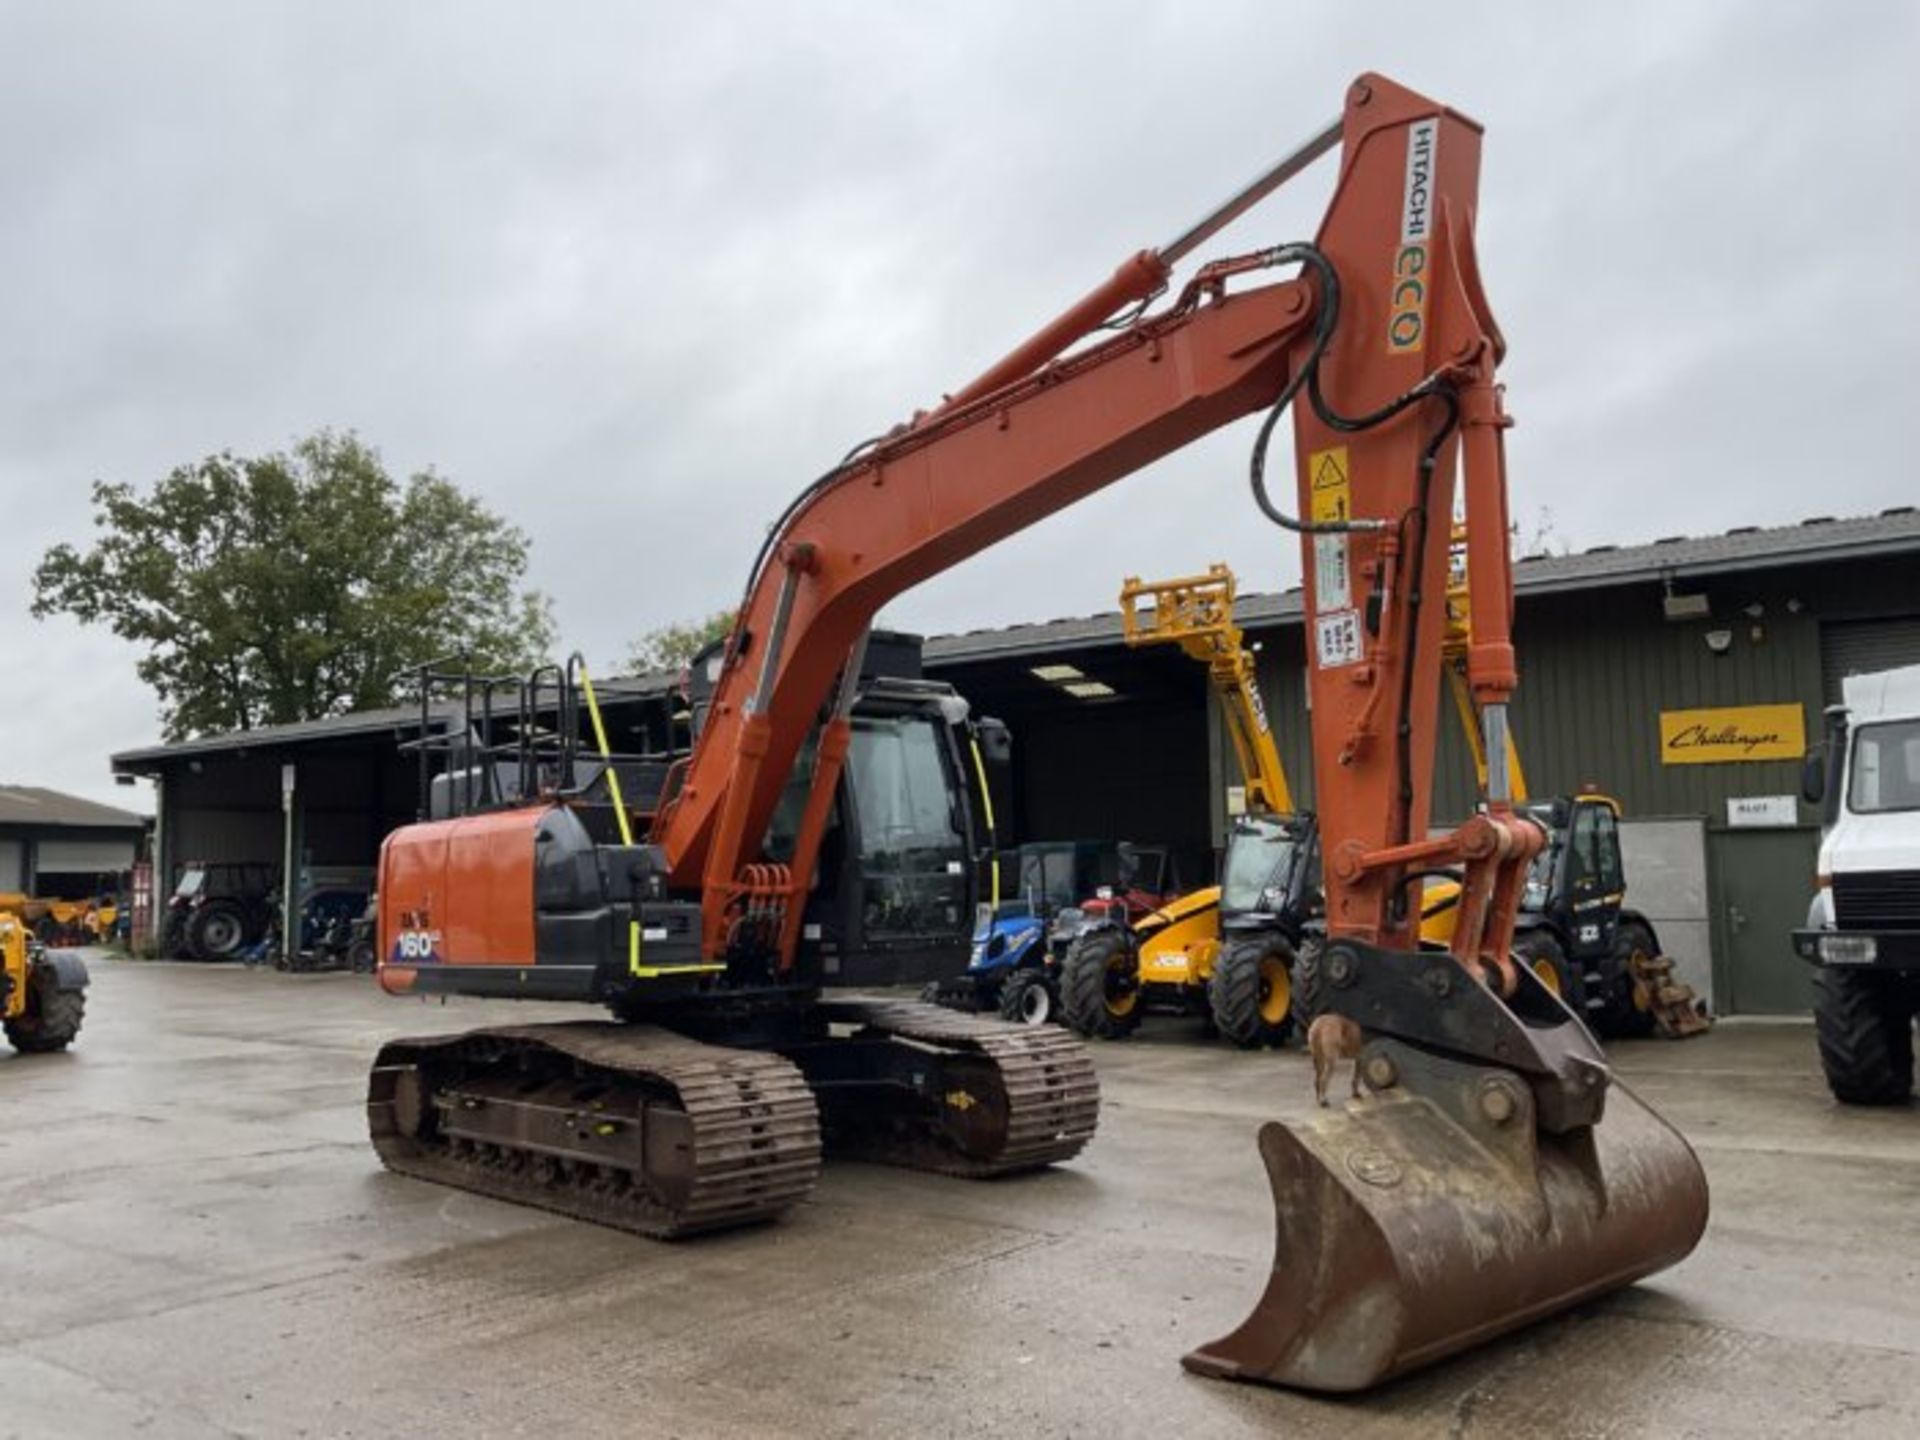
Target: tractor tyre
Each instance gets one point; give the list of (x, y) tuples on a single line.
[(1309, 983), (1540, 952), (1027, 999), (1625, 1012), (52, 1016), (1251, 992), (1864, 1024), (217, 931), (1100, 985)]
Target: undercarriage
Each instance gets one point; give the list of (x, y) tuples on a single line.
[(644, 1129)]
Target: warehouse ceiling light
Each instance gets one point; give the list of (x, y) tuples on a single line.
[(1089, 689), (1058, 673)]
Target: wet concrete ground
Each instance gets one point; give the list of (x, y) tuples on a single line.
[(195, 1240)]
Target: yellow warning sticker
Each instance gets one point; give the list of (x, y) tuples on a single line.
[(1332, 492), (1330, 498)]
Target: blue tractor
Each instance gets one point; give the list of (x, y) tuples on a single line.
[(1013, 966)]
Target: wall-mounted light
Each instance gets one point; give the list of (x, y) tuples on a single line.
[(1719, 641), (1685, 607)]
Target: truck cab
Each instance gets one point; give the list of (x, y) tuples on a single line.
[(1863, 925)]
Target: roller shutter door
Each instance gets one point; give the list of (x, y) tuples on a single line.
[(84, 857), (12, 852), (1863, 647)]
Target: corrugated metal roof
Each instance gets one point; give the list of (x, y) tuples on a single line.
[(1746, 547), (364, 722), (32, 805)]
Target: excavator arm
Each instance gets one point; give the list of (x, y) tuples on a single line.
[(1494, 1171)]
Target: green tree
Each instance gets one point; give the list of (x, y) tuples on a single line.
[(671, 646), (296, 585)]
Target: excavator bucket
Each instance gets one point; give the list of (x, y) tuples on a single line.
[(1433, 1214)]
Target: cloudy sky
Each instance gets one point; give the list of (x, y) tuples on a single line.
[(634, 272)]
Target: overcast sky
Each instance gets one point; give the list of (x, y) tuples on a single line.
[(635, 272)]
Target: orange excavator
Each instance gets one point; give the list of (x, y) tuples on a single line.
[(1495, 1172)]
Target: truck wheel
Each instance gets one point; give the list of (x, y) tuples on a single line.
[(1027, 999), (1865, 1029), (1540, 952), (1309, 983), (1251, 992), (52, 1016), (216, 931), (1100, 985), (1625, 1012)]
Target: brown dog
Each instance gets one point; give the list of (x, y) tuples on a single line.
[(1331, 1039)]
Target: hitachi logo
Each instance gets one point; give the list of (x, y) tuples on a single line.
[(1422, 140)]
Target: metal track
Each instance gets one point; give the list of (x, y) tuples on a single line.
[(1035, 1085), (698, 1137)]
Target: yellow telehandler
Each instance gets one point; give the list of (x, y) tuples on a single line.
[(43, 993), (1173, 959)]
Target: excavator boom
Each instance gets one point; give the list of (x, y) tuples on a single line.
[(921, 502)]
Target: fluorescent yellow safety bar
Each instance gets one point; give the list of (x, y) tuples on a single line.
[(986, 810), (634, 967)]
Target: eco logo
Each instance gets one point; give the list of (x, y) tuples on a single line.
[(1407, 311)]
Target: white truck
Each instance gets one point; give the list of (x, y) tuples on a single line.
[(1863, 928)]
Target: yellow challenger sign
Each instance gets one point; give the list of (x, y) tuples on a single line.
[(1740, 732)]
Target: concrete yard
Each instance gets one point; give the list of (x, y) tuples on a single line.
[(198, 1241)]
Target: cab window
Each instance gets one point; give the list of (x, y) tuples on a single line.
[(1593, 851)]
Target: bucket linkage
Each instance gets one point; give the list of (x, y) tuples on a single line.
[(1494, 1173)]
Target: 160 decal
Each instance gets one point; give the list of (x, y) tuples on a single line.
[(416, 947)]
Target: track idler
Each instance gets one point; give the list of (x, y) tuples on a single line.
[(1460, 1198)]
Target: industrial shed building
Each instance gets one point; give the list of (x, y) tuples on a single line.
[(1632, 660), (1635, 661), (61, 846)]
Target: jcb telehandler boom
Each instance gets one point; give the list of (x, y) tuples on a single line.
[(712, 1114), (1180, 956)]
